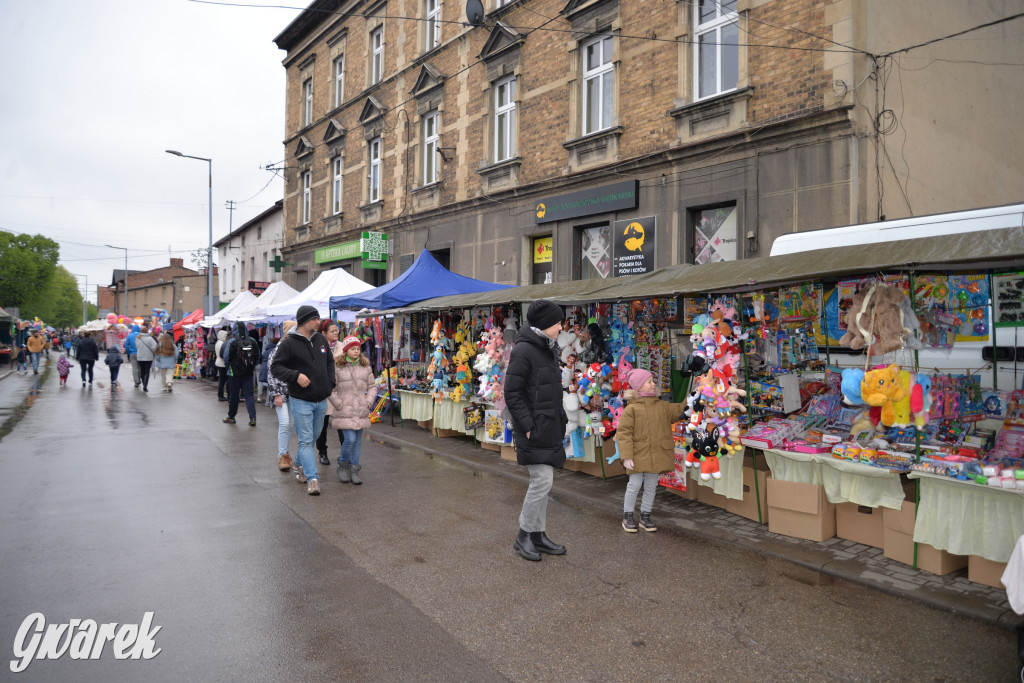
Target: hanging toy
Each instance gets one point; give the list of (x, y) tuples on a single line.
[(704, 453)]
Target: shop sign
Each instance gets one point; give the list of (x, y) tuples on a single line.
[(337, 252), (257, 287), (543, 249), (634, 244), (374, 249), (616, 197)]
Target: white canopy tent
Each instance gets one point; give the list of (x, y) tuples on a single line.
[(256, 311), (335, 282), (223, 315)]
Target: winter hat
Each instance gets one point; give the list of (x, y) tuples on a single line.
[(305, 314), (348, 342), (637, 377), (542, 314)]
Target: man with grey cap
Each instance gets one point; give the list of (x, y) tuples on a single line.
[(304, 361), (533, 395)]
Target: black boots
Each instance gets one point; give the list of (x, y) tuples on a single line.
[(531, 544), (524, 544), (645, 522), (324, 460), (544, 544)]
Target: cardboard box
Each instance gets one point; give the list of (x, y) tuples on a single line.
[(986, 572), (707, 495), (860, 524), (491, 446), (800, 510), (898, 543), (594, 469), (689, 494), (425, 424), (448, 432), (508, 453), (748, 507)]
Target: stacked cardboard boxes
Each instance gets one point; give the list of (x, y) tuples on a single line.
[(898, 543), (800, 510)]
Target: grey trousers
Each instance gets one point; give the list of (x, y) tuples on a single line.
[(135, 368), (649, 480), (534, 516)]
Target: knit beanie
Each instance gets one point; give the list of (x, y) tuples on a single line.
[(542, 314), (637, 377), (305, 314), (348, 342)]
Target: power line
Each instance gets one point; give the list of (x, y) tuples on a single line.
[(954, 35)]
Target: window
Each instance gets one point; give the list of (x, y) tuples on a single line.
[(431, 140), (715, 234), (374, 176), (233, 280), (339, 80), (307, 98), (377, 55), (716, 62), (266, 267), (306, 178), (433, 25), (595, 257), (259, 232), (598, 84), (336, 186), (504, 119), (252, 267)]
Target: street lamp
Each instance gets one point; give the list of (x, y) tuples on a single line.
[(125, 275), (209, 252)]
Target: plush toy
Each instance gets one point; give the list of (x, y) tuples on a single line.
[(875, 320), (882, 388), (901, 408), (921, 399), (704, 453), (574, 429), (850, 386)]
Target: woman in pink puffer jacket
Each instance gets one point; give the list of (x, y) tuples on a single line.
[(352, 400)]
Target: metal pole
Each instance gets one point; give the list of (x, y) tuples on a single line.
[(209, 252), (127, 315)]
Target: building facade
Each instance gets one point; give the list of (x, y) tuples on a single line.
[(174, 288), (534, 143), (246, 253)]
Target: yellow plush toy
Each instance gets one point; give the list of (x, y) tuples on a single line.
[(901, 408), (882, 387)]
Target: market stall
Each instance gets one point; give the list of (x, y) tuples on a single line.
[(223, 316), (330, 283)]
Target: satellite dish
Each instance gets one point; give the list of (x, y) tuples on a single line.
[(475, 12)]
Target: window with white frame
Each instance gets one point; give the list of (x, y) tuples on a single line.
[(598, 84), (376, 55), (336, 185), (339, 80), (374, 175), (307, 100), (716, 50), (432, 25), (306, 190), (505, 119), (431, 140)]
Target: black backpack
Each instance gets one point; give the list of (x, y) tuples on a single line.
[(246, 358)]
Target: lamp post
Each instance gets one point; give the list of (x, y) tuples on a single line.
[(125, 276), (209, 252)]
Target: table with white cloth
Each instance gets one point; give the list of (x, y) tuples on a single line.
[(730, 484), (449, 415), (965, 518), (416, 406), (845, 481)]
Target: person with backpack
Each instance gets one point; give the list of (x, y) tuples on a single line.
[(145, 347), (242, 356), (165, 359)]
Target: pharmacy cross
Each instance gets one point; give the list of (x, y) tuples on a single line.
[(278, 263)]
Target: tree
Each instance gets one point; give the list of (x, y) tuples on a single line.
[(59, 304), (27, 264), (199, 258)]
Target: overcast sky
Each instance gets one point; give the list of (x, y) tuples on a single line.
[(94, 91)]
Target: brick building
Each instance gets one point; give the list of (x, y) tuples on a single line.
[(523, 147), (246, 252), (175, 288)]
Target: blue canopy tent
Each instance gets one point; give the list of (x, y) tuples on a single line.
[(425, 279)]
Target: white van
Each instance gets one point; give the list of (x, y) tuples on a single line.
[(965, 356)]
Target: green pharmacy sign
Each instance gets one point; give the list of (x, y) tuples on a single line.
[(374, 248)]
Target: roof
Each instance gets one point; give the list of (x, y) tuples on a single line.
[(309, 19), (278, 207)]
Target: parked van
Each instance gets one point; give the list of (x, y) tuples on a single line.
[(965, 356)]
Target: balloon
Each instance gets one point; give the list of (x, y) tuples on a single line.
[(111, 318)]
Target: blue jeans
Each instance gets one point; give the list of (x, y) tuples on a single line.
[(351, 446), (22, 366), (35, 361), (284, 427), (308, 418)]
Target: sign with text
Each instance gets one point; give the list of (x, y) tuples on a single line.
[(634, 244), (374, 249), (337, 252), (616, 197), (257, 287), (542, 249)]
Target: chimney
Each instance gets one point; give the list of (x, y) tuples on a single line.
[(178, 262)]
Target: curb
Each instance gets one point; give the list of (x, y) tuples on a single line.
[(807, 558)]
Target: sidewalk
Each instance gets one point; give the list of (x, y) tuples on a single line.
[(836, 557)]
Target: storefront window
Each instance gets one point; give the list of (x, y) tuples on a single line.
[(715, 233), (595, 252)]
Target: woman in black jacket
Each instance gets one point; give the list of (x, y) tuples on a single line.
[(533, 395)]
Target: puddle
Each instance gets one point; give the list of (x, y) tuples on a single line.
[(19, 412)]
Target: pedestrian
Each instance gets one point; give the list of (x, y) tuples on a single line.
[(644, 438), (304, 361), (113, 362), (241, 358), (352, 399), (330, 330), (132, 353), (220, 365), (278, 393), (145, 348), (63, 369), (36, 343), (165, 360), (22, 359), (88, 354), (263, 377), (533, 396)]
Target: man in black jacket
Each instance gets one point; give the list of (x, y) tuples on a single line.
[(88, 354), (533, 394), (304, 361)]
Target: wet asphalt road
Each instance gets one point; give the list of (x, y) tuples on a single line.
[(117, 503)]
